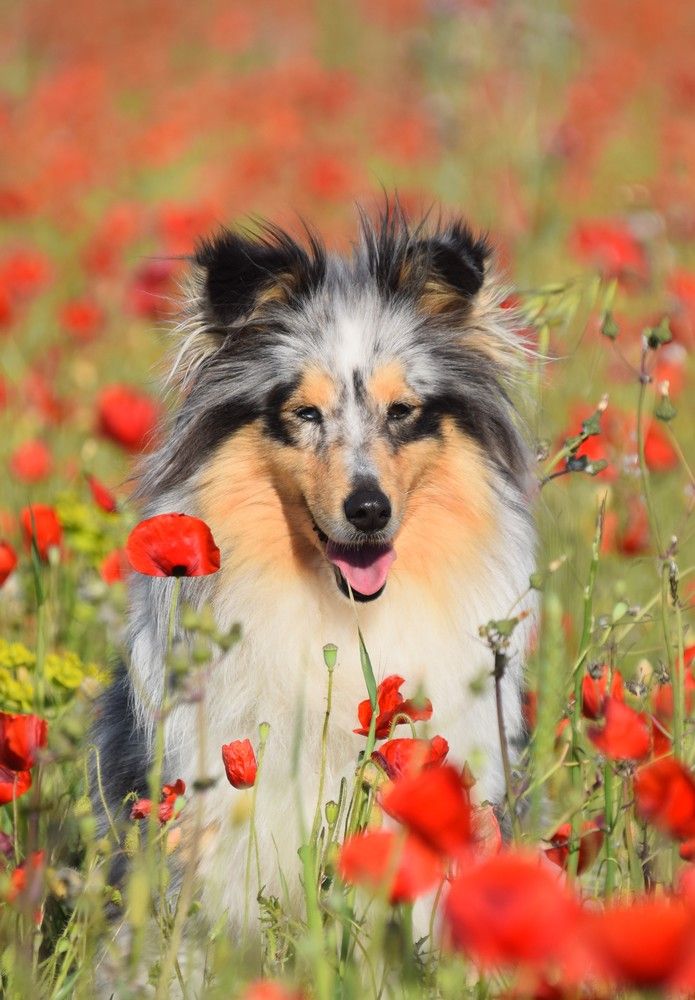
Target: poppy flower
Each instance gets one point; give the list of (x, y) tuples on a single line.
[(399, 865), (40, 524), (114, 567), (13, 784), (266, 989), (26, 884), (625, 735), (102, 496), (126, 416), (611, 248), (82, 319), (20, 737), (240, 763), (590, 842), (8, 561), (142, 808), (659, 453), (662, 696), (665, 797), (486, 835), (509, 910), (595, 691), (390, 703), (172, 545), (435, 805), (628, 535), (645, 944), (399, 757), (151, 289), (25, 273), (31, 462)]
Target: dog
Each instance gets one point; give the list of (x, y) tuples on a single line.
[(345, 428)]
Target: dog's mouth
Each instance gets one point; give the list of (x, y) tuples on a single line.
[(362, 569)]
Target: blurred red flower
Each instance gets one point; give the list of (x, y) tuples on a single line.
[(629, 534), (26, 884), (433, 804), (399, 757), (595, 691), (625, 734), (510, 910), (645, 944), (659, 453), (398, 864), (151, 290), (13, 784), (665, 797), (20, 737), (265, 989), (172, 545), (25, 273), (83, 319), (102, 495), (390, 703), (590, 841), (8, 561), (40, 524), (240, 764), (662, 696), (612, 248), (126, 416), (114, 567), (31, 462)]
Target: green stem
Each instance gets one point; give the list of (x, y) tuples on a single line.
[(609, 824), (263, 730), (324, 749), (644, 472), (500, 665)]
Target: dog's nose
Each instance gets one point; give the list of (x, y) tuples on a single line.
[(368, 509)]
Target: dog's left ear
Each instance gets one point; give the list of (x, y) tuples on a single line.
[(449, 267)]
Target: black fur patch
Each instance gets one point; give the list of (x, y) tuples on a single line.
[(275, 426), (238, 268), (124, 754)]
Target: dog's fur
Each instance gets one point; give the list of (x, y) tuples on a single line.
[(407, 354)]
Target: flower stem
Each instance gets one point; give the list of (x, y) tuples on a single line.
[(500, 666)]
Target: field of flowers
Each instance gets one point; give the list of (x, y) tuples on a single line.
[(566, 129)]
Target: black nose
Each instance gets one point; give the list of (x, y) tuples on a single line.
[(368, 509)]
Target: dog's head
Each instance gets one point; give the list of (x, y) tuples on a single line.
[(350, 396)]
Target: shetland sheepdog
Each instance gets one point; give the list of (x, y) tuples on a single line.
[(345, 427)]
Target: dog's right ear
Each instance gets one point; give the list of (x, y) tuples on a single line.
[(242, 274)]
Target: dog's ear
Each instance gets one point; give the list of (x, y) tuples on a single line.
[(241, 274), (448, 268)]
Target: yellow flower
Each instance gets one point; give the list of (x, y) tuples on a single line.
[(14, 655)]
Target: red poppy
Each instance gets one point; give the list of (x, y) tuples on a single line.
[(625, 735), (510, 910), (8, 561), (83, 319), (399, 757), (114, 567), (665, 796), (26, 884), (25, 272), (172, 545), (20, 737), (399, 865), (240, 763), (595, 691), (612, 248), (40, 523), (435, 805), (265, 989), (102, 496), (628, 535), (151, 289), (590, 842), (486, 835), (31, 462), (659, 453), (662, 697), (13, 784), (126, 416), (646, 944), (390, 703), (142, 808)]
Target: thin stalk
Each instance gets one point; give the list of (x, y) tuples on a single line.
[(584, 645), (500, 666), (644, 381), (609, 858), (263, 729), (324, 750), (635, 866), (678, 683)]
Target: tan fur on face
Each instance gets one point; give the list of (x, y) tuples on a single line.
[(316, 388), (388, 385), (254, 495)]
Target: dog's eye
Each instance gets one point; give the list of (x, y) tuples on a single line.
[(311, 414), (399, 411)]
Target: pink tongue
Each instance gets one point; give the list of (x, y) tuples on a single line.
[(366, 568)]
